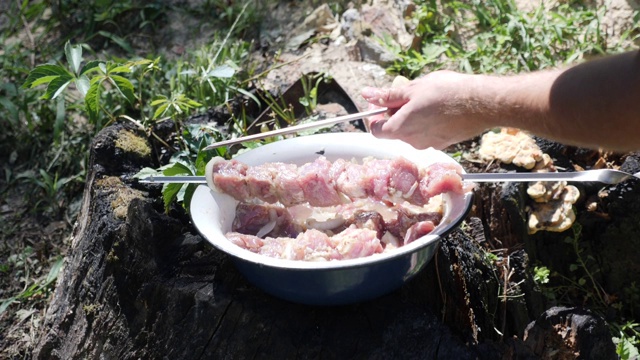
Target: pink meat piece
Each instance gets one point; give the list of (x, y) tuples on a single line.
[(350, 181), (259, 180), (245, 241), (310, 245), (322, 183), (275, 247), (404, 180), (440, 178), (251, 218), (370, 220), (229, 177), (318, 186), (418, 230), (376, 177), (288, 189), (314, 245), (405, 220), (353, 242)]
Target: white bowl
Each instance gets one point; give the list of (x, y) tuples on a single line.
[(330, 282)]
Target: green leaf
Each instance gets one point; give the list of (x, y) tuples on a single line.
[(247, 94), (125, 87), (178, 168), (74, 56), (40, 71), (161, 110), (573, 267), (11, 108), (169, 193), (145, 172), (223, 71), (117, 39), (118, 69), (91, 66), (44, 80), (6, 302), (140, 62), (188, 195), (92, 99), (58, 126), (83, 83), (56, 87), (55, 270), (159, 101)]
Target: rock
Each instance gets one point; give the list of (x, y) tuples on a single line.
[(320, 21), (373, 52), (386, 20), (348, 70)]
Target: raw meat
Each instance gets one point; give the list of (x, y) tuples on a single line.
[(322, 183)]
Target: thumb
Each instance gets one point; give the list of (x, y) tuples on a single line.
[(389, 97)]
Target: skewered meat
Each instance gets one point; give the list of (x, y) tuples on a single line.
[(326, 210), (322, 183)]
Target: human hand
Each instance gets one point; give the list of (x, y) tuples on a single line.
[(436, 110)]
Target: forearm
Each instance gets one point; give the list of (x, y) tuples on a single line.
[(594, 104)]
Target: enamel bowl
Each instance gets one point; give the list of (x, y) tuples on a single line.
[(330, 282)]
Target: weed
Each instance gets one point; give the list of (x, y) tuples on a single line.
[(310, 86), (627, 341), (541, 275), (33, 287), (503, 39)]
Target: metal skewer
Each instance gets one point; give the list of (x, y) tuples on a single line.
[(607, 176), (296, 128)]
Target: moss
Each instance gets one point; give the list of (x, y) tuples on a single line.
[(123, 198), (90, 309), (109, 182), (112, 257), (132, 143), (122, 195)]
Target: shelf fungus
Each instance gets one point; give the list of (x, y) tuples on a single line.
[(557, 213), (510, 146), (552, 206)]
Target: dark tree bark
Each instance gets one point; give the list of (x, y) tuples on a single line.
[(141, 284)]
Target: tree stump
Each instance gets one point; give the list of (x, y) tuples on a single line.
[(139, 283)]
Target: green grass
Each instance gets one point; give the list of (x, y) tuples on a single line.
[(500, 39)]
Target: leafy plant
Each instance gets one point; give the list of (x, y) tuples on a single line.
[(177, 104), (503, 39), (541, 274), (310, 85), (627, 341), (89, 79), (38, 286), (51, 187), (189, 162)]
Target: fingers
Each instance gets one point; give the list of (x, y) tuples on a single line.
[(391, 124), (391, 98)]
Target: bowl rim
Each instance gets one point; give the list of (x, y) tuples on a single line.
[(447, 225)]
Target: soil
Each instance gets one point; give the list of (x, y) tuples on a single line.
[(19, 326)]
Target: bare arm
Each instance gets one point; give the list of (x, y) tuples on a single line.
[(594, 104)]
